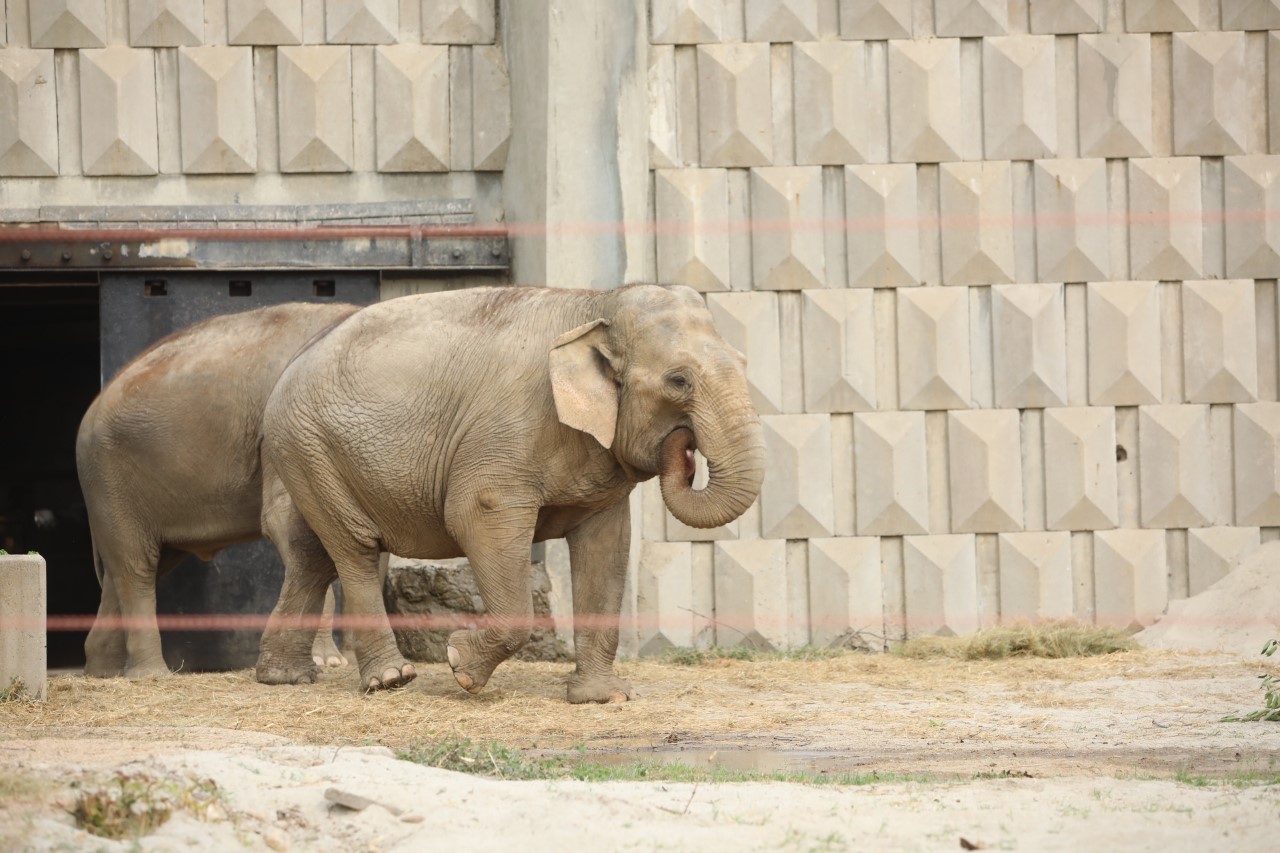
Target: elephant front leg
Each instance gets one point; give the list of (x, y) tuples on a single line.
[(598, 552)]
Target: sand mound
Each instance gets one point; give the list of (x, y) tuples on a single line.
[(1238, 614)]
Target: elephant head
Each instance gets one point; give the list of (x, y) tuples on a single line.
[(652, 381)]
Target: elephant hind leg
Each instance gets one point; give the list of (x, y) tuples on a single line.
[(105, 652), (323, 650)]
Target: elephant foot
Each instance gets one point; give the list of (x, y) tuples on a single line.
[(147, 670), (392, 676), (597, 688), (470, 670), (325, 653), (302, 674), (104, 660)]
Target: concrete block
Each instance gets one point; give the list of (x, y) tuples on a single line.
[(411, 86), (846, 593), (458, 21), (782, 20), (941, 585), (28, 114), (926, 111), (1072, 243), (1066, 16), (1252, 194), (692, 208), (118, 111), (1019, 97), (1029, 345), (971, 18), (664, 597), (1257, 464), (315, 109), (749, 322), (1219, 341), (362, 21), (1130, 577), (735, 105), (23, 608), (689, 21), (933, 348), (891, 473), (1080, 484), (1166, 236), (1212, 551), (796, 501), (875, 19), (67, 23), (1114, 93), (166, 23), (264, 21), (1161, 16), (977, 216), (1210, 94), (219, 136), (883, 228), (1124, 355), (839, 351), (491, 121), (984, 449), (1250, 15), (1175, 466), (751, 595), (841, 115), (787, 235), (1036, 581)]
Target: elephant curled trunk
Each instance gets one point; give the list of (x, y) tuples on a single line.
[(735, 463)]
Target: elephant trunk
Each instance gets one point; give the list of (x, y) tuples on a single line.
[(734, 447)]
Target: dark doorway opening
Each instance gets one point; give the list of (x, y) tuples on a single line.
[(49, 374)]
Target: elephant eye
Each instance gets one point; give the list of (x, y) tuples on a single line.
[(679, 381)]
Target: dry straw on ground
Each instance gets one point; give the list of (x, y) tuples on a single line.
[(1063, 639)]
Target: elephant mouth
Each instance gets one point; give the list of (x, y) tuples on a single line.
[(677, 454)]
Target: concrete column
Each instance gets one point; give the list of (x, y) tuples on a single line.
[(22, 624), (577, 179)]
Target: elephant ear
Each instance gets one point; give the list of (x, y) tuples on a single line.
[(582, 381)]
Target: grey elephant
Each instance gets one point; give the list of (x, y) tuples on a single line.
[(168, 458), (475, 423)]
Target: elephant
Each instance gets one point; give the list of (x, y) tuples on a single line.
[(168, 459), (477, 422)]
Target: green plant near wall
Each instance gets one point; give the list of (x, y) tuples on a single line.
[(1270, 712)]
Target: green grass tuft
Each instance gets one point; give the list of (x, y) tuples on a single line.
[(684, 656), (1270, 710), (1063, 639), (131, 805), (16, 691)]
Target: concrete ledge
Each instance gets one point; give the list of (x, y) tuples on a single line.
[(22, 624)]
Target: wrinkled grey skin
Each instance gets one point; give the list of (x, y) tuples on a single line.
[(168, 458), (477, 422)]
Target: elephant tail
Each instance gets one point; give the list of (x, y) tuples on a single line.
[(97, 558)]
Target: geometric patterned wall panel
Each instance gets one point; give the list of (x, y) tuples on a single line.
[(458, 21), (1072, 243), (1124, 337), (1250, 14), (751, 596), (264, 21), (118, 111), (749, 322), (984, 447), (411, 84), (693, 206), (28, 114), (840, 117), (1114, 95), (891, 473), (977, 214), (362, 21), (67, 23), (927, 123), (782, 20), (846, 594), (1019, 82), (1029, 344), (218, 135), (1035, 576), (1211, 113), (1253, 216), (971, 18), (491, 113), (1211, 552), (166, 23), (933, 348), (1161, 16), (685, 21), (1166, 239), (1176, 466), (1219, 341), (1080, 468), (875, 19), (315, 109), (786, 243), (1257, 452), (1130, 577), (735, 105), (664, 597), (1066, 16), (883, 234), (839, 351), (796, 499), (941, 579)]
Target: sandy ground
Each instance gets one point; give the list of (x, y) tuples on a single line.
[(1085, 753)]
